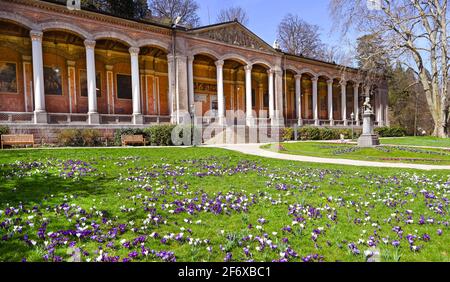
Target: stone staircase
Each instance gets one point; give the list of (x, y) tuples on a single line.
[(240, 135)]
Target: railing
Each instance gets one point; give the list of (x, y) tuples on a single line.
[(67, 118), (309, 122), (149, 119), (116, 119), (16, 117)]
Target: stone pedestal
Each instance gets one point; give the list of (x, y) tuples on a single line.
[(138, 119), (93, 118), (40, 117), (368, 137)]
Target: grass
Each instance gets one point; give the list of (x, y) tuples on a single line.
[(418, 141), (108, 204), (348, 151)]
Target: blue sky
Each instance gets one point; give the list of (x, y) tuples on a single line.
[(265, 15)]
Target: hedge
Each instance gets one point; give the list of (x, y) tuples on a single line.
[(79, 137), (394, 131), (319, 133)]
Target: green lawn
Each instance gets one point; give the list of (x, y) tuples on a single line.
[(348, 151), (204, 204), (418, 141)]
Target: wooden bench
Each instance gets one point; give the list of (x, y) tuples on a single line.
[(133, 139), (17, 139)]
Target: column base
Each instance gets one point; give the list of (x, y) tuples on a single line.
[(250, 121), (40, 117), (93, 118), (222, 121), (331, 122), (316, 122), (300, 122), (138, 119), (277, 122), (345, 122)]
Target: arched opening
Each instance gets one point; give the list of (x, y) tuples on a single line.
[(64, 54), (289, 101), (260, 90), (205, 84), (337, 100), (234, 85), (154, 84), (112, 62), (322, 97), (15, 68), (307, 96)]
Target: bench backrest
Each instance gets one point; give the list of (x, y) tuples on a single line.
[(18, 138), (133, 138)]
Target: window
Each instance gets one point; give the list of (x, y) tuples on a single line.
[(52, 81), (124, 86), (83, 83), (8, 77)]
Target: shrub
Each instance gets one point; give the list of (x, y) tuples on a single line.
[(317, 133), (309, 133), (90, 137), (70, 137), (395, 131), (160, 135), (127, 131), (287, 134), (4, 130)]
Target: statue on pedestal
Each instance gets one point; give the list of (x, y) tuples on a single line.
[(368, 137)]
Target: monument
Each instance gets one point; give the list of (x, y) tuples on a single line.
[(368, 137)]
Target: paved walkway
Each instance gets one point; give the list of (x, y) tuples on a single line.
[(254, 149)]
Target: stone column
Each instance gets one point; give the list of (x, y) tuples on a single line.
[(315, 104), (171, 82), (93, 117), (298, 98), (40, 116), (72, 84), (181, 89), (344, 102), (220, 97), (356, 102), (279, 120), (135, 86), (330, 101), (190, 62), (248, 95), (271, 95)]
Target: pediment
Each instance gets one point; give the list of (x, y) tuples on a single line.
[(232, 33)]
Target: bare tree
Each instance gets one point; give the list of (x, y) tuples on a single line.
[(169, 10), (233, 13), (298, 37), (414, 32)]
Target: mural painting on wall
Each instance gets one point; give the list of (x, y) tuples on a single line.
[(205, 87), (8, 77), (52, 81)]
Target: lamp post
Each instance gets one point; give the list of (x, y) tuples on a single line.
[(352, 116)]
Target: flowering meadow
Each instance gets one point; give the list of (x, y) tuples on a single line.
[(392, 153), (204, 204)]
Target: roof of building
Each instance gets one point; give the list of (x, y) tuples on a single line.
[(234, 22)]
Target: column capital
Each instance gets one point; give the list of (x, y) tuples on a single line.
[(219, 63), (330, 81), (109, 67), (314, 78), (71, 63), (248, 67), (278, 72), (270, 71), (89, 44), (170, 58), (36, 35), (190, 58), (298, 76), (134, 51)]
